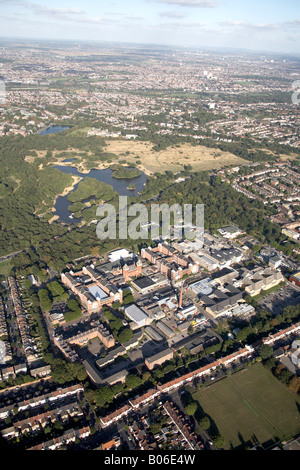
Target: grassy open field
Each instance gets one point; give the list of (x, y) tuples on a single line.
[(173, 158), (251, 406)]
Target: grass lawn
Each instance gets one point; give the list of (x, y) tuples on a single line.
[(251, 406), (173, 158), (5, 267)]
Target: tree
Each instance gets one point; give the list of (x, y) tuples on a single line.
[(125, 335), (103, 395), (45, 301), (191, 408), (155, 428), (285, 376), (116, 305), (294, 385), (265, 351), (58, 425), (204, 423), (95, 251), (47, 430), (256, 249), (219, 441), (128, 299), (8, 420), (146, 376), (244, 333), (74, 310), (133, 381), (116, 324)]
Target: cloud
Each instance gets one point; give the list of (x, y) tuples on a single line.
[(60, 14), (246, 25), (293, 38), (55, 12), (189, 3), (171, 14), (292, 23), (181, 26), (9, 2)]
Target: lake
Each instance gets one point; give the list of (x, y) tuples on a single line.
[(119, 185), (53, 130)]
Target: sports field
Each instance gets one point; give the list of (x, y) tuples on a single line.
[(251, 406)]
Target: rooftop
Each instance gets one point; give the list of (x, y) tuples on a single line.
[(135, 313), (97, 292)]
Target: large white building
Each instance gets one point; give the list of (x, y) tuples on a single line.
[(117, 255), (137, 315)]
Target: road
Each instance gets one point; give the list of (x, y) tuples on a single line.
[(127, 442), (11, 255)]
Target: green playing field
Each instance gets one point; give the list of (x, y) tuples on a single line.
[(251, 406)]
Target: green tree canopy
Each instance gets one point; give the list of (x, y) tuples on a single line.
[(125, 335), (191, 408)]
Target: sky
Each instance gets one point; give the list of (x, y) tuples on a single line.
[(258, 25)]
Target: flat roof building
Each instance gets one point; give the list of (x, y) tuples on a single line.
[(153, 334), (295, 279), (203, 287), (159, 358), (116, 255), (230, 231), (137, 315), (165, 329)]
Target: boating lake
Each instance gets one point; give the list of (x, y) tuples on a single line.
[(53, 130), (119, 185)]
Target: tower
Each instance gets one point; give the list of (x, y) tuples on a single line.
[(139, 265), (125, 272), (180, 296)]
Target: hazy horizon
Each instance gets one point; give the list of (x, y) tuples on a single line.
[(203, 49), (257, 25)]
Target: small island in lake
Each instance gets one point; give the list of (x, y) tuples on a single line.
[(123, 172), (131, 187)]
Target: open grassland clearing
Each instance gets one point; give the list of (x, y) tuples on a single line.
[(141, 155), (173, 158), (251, 406)]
